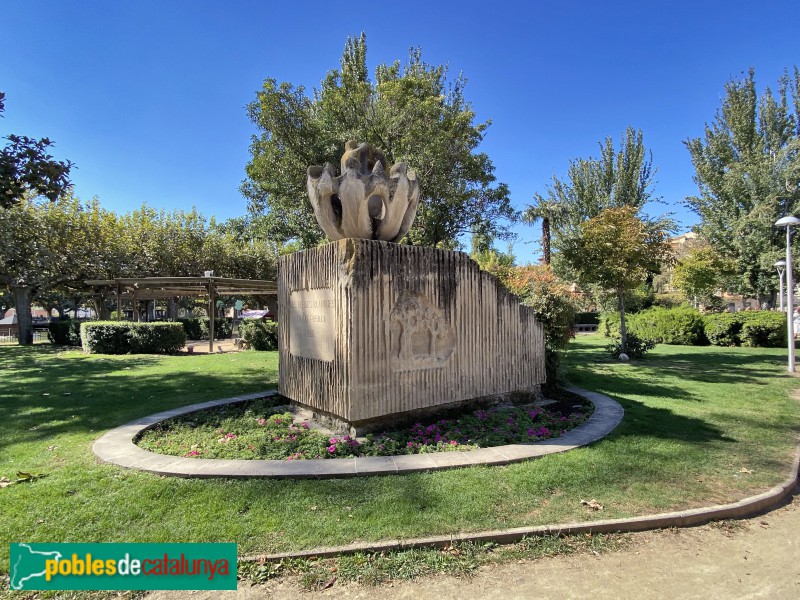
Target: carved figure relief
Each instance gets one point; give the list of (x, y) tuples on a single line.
[(418, 334), (364, 201)]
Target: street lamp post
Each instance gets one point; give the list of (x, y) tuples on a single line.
[(787, 222), (781, 266)]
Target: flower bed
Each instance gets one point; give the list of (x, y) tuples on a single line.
[(264, 429)]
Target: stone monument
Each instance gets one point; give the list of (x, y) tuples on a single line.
[(372, 331)]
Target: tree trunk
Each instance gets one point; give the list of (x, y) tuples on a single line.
[(623, 330), (172, 311), (22, 300), (101, 308), (546, 240)]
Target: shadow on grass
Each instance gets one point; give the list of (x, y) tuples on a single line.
[(676, 373), (47, 395)]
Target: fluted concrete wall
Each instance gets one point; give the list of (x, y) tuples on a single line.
[(412, 328)]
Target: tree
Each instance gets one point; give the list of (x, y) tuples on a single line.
[(413, 114), (622, 177), (43, 246), (26, 167), (747, 169), (489, 258), (551, 213), (699, 274), (617, 250)]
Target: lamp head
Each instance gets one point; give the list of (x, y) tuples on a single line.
[(787, 221), (780, 264)]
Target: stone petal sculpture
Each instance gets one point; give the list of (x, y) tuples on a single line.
[(364, 202)]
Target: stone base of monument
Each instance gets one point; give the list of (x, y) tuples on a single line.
[(374, 333)]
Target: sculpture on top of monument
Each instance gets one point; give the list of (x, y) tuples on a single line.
[(364, 201)]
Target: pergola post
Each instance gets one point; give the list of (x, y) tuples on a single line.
[(212, 306), (136, 315), (119, 301)]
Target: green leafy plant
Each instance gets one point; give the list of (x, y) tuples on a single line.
[(636, 347), (110, 337), (198, 328), (681, 325), (761, 329), (259, 334), (66, 332)]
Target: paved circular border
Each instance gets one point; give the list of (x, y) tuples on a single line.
[(117, 447)]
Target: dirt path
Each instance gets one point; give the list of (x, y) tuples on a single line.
[(757, 558)]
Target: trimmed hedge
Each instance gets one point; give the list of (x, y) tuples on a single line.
[(723, 329), (680, 326), (66, 332), (112, 337), (197, 328), (260, 335), (686, 326), (760, 329)]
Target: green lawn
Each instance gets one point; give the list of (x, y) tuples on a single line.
[(697, 420)]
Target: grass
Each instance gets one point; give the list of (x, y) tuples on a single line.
[(702, 425), (458, 560)]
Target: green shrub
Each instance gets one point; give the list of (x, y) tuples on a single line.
[(764, 330), (637, 347), (668, 299), (723, 329), (197, 328), (66, 332), (680, 325), (609, 324), (223, 328), (112, 337), (760, 329), (259, 334), (192, 328)]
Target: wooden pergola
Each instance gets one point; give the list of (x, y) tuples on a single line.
[(157, 288)]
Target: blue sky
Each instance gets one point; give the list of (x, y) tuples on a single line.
[(147, 97)]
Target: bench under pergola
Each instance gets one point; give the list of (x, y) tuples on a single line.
[(160, 288)]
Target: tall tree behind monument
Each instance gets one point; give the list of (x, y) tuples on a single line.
[(747, 169), (412, 113)]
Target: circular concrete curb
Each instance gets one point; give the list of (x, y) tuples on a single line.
[(117, 447), (748, 507)]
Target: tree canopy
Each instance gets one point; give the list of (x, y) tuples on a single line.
[(27, 167), (747, 168), (412, 113), (619, 177), (700, 274), (51, 248), (617, 250)]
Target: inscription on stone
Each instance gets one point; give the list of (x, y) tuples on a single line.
[(311, 323)]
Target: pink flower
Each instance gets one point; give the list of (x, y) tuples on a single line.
[(331, 449)]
